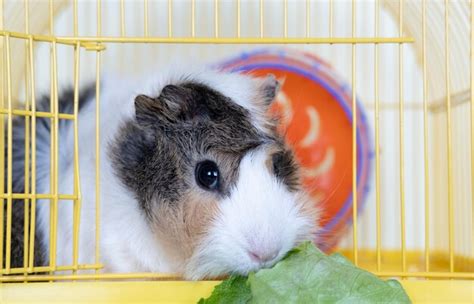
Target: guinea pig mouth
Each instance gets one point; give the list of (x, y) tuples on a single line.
[(265, 265)]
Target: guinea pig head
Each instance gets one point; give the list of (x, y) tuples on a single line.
[(216, 183)]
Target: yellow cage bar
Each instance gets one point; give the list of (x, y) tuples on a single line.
[(411, 62)]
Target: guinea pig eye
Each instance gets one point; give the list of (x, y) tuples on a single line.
[(207, 175)]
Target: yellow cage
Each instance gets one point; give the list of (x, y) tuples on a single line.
[(410, 62)]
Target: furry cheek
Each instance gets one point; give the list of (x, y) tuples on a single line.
[(182, 226), (256, 225)]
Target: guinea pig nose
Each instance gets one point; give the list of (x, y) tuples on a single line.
[(262, 257)]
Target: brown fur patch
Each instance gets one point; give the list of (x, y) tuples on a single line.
[(181, 227)]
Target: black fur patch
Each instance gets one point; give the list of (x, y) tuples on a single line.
[(156, 153), (286, 169), (43, 130)]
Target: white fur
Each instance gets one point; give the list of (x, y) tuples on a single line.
[(259, 216), (259, 213)]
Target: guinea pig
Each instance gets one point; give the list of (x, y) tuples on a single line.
[(194, 177)]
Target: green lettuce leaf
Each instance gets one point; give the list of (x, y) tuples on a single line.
[(234, 290), (307, 275)]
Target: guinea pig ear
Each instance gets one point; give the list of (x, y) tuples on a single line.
[(176, 103), (146, 108), (175, 97), (183, 102), (269, 88), (169, 107)]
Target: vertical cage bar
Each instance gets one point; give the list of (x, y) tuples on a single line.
[(354, 139), (308, 21), (238, 18), (170, 18), (402, 142), (27, 16), (54, 152), (425, 142), (99, 18), (97, 147), (2, 140), (77, 185), (97, 165), (51, 17), (145, 17), (448, 121), (9, 157), (216, 18), (261, 19), (52, 138), (286, 18), (33, 156), (377, 138), (75, 19), (331, 9), (27, 145), (193, 18), (472, 125), (122, 18)]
